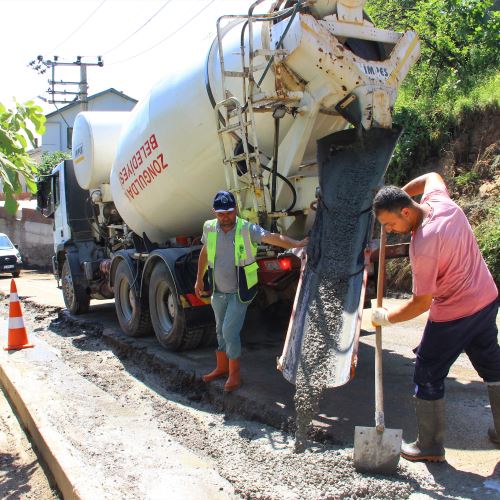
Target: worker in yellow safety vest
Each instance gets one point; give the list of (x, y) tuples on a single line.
[(229, 253)]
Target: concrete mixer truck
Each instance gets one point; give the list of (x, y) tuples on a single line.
[(246, 116)]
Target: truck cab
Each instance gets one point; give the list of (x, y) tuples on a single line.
[(51, 202), (60, 198)]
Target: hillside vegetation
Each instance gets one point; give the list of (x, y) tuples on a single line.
[(449, 107)]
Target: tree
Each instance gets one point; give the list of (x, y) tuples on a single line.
[(459, 41), (459, 54), (15, 136), (50, 160)]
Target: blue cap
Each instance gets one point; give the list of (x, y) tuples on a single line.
[(224, 202)]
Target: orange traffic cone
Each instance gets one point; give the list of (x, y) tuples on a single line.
[(18, 338)]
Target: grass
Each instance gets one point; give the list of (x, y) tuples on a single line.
[(488, 237)]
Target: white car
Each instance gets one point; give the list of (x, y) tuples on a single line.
[(10, 258)]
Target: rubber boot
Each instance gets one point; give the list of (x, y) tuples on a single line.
[(494, 432), (233, 382), (431, 425), (221, 370)]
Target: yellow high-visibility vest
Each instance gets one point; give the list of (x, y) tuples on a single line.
[(245, 252)]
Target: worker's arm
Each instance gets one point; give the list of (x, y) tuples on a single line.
[(202, 268), (412, 308), (424, 183), (280, 240)]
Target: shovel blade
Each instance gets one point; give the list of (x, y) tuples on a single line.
[(375, 451)]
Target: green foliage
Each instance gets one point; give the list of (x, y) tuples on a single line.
[(457, 75), (466, 178), (459, 40), (459, 55), (488, 238), (50, 160), (15, 136)]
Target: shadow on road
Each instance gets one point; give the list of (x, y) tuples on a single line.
[(453, 481), (16, 477)]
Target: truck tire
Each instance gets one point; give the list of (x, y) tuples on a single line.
[(209, 337), (167, 315), (133, 316), (76, 298)]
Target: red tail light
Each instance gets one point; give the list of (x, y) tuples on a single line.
[(285, 264)]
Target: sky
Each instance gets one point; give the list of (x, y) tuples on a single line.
[(139, 41)]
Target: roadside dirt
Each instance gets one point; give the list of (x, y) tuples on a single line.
[(21, 475), (470, 165)]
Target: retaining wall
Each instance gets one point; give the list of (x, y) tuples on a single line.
[(32, 233)]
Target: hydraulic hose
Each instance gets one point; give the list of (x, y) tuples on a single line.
[(271, 60), (242, 171), (275, 163), (289, 184)]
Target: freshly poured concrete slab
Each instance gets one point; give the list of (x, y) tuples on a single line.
[(94, 446)]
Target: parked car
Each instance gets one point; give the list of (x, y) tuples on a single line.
[(10, 258)]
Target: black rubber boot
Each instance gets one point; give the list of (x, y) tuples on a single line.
[(431, 425), (494, 432)]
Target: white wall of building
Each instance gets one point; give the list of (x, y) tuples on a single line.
[(33, 234), (57, 124), (52, 137)]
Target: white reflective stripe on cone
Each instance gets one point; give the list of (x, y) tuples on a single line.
[(14, 297), (16, 322)]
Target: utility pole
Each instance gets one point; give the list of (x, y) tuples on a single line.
[(78, 89)]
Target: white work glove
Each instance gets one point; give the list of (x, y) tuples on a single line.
[(380, 317)]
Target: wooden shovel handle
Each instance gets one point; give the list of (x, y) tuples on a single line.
[(379, 391)]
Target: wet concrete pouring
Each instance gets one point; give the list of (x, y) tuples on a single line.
[(334, 264), (258, 460), (329, 255)]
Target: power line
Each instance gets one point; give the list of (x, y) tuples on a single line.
[(79, 27), (139, 29), (166, 38)]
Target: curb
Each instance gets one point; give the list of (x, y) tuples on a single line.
[(58, 472)]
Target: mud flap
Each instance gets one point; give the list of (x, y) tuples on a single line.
[(326, 320)]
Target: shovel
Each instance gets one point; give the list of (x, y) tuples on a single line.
[(377, 449)]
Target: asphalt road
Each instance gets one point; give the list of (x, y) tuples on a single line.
[(471, 457)]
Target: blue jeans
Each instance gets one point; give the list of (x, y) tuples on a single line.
[(229, 317)]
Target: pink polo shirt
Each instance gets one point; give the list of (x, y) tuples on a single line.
[(446, 261)]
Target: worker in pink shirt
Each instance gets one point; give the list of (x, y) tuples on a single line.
[(452, 281)]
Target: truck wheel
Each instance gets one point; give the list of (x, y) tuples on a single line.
[(75, 297), (167, 315), (133, 317)]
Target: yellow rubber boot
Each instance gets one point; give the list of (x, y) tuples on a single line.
[(234, 381), (221, 370)]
